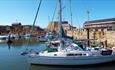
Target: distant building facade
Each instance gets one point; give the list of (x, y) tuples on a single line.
[(101, 30), (18, 28), (54, 26), (100, 25), (4, 30), (66, 25)]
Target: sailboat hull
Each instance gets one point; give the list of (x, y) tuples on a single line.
[(85, 60)]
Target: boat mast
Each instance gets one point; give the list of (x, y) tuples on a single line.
[(60, 18), (71, 20), (60, 24)]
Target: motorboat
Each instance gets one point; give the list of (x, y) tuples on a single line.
[(3, 38), (42, 39), (28, 35), (15, 36)]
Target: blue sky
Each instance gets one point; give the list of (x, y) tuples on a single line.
[(24, 11)]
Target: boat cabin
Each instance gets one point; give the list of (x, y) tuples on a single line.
[(54, 44)]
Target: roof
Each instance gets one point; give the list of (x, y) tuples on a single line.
[(16, 24), (63, 22), (100, 20)]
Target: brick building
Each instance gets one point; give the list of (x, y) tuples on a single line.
[(53, 26)]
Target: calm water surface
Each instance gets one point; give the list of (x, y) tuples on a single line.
[(10, 58)]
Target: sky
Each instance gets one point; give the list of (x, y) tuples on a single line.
[(24, 11)]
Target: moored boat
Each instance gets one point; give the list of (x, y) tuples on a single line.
[(70, 56), (42, 39), (3, 38), (70, 53)]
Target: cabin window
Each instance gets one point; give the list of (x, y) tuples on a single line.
[(55, 44), (52, 49), (96, 29), (78, 54), (55, 54), (84, 54), (70, 54)]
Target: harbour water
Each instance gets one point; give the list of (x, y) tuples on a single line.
[(10, 58)]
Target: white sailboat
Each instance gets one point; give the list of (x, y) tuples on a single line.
[(71, 55)]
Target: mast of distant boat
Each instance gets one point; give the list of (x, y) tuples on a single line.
[(71, 21), (60, 18)]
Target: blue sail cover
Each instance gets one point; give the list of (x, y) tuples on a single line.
[(50, 37)]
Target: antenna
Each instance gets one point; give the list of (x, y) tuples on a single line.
[(88, 12), (54, 13), (71, 12), (48, 18)]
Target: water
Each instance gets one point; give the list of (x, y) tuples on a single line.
[(10, 58)]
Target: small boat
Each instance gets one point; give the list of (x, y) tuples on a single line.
[(3, 38), (28, 35), (15, 36), (42, 39)]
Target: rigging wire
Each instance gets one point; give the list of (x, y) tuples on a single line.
[(37, 13), (54, 12), (71, 13), (26, 50)]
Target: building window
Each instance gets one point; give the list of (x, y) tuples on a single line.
[(102, 29), (113, 28), (109, 29), (96, 29)]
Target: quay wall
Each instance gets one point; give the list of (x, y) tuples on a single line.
[(98, 36)]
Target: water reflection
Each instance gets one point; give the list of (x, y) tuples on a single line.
[(106, 66), (12, 60), (9, 45), (10, 53), (23, 41)]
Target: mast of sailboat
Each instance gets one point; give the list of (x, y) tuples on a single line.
[(60, 18), (60, 24)]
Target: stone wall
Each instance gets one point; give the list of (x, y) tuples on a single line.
[(98, 36)]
